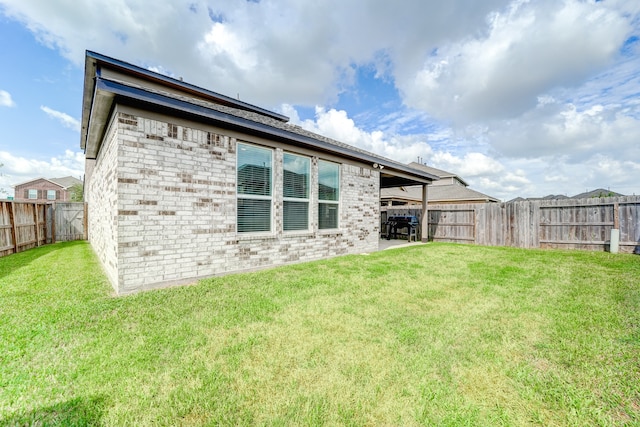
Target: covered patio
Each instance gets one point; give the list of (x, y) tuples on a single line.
[(396, 177)]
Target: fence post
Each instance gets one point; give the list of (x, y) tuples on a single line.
[(14, 230), (37, 221), (424, 220), (85, 222), (475, 225), (51, 221)]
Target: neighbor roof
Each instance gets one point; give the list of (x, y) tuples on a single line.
[(64, 182), (437, 194), (437, 172), (599, 192), (186, 100)]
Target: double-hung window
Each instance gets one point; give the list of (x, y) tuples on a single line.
[(33, 194), (51, 194), (254, 180), (328, 194), (295, 185)]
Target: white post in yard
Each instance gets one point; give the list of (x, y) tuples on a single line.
[(614, 243)]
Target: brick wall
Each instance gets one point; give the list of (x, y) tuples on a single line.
[(101, 196), (176, 207)]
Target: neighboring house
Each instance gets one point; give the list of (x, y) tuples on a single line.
[(547, 197), (183, 183), (600, 192), (450, 188), (46, 189)]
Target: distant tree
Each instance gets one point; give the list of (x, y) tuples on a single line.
[(603, 194), (77, 193)]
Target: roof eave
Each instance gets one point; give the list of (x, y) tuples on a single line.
[(97, 121), (90, 70), (106, 90), (130, 69)]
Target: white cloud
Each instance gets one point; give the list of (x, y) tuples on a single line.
[(487, 171), (497, 178), (470, 165), (528, 49), (544, 176), (608, 172), (339, 126), (20, 169), (492, 59), (531, 97), (292, 51), (5, 99), (221, 40), (64, 118), (574, 134)]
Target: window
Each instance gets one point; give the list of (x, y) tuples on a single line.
[(295, 184), (51, 194), (254, 171), (33, 194), (328, 194)]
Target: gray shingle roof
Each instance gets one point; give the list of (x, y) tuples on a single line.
[(599, 192), (437, 172), (255, 117), (108, 80), (437, 194), (66, 182)]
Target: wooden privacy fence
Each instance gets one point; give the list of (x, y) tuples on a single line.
[(26, 225), (69, 221), (568, 223)]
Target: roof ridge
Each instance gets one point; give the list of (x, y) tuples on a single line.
[(259, 118), (179, 83)]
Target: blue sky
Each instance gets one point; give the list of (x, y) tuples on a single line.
[(520, 98), (36, 141)]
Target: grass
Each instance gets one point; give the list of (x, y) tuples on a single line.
[(438, 334)]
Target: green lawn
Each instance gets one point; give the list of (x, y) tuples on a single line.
[(435, 334)]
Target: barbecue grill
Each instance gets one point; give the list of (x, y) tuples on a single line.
[(395, 224)]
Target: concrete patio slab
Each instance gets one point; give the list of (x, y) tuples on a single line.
[(384, 244)]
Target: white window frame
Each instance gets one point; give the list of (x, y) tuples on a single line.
[(32, 194), (330, 202), (306, 200), (49, 192), (255, 196)]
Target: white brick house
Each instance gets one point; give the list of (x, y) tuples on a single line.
[(183, 183)]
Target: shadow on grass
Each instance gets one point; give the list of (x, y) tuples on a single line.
[(10, 263), (80, 411)]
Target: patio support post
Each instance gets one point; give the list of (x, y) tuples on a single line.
[(424, 219)]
